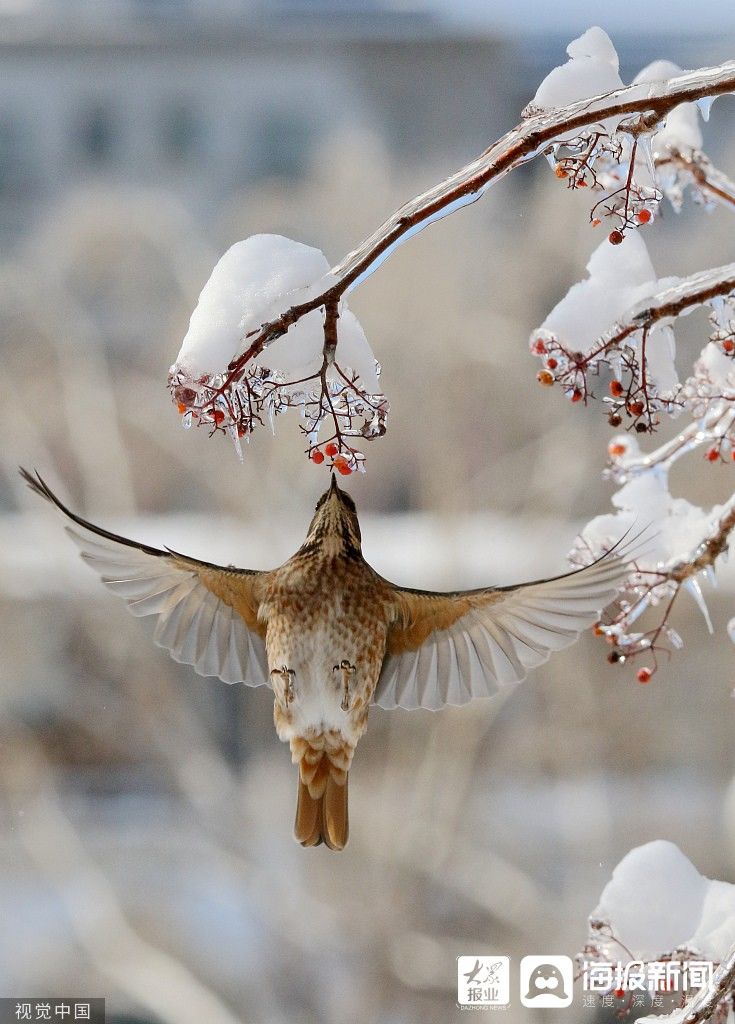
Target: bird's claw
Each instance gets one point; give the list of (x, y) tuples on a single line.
[(287, 675), (348, 670)]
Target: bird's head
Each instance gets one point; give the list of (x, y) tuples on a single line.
[(335, 523)]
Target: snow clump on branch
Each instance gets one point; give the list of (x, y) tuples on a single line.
[(325, 369)]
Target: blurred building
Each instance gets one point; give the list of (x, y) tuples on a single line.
[(205, 99)]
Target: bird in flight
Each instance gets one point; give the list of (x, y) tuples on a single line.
[(330, 636)]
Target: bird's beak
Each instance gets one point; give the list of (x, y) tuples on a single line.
[(333, 488)]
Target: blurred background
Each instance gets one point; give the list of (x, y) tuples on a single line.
[(145, 813)]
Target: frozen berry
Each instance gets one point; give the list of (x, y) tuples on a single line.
[(616, 449), (560, 171), (728, 345), (713, 454), (331, 449), (619, 993), (615, 237), (545, 378), (317, 457), (643, 216), (182, 394), (635, 408), (551, 363), (596, 222), (218, 416), (181, 407), (644, 675), (342, 465), (614, 420), (538, 348), (616, 388), (576, 395)]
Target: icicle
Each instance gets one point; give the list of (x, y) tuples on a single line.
[(692, 585)]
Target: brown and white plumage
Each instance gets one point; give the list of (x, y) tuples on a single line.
[(331, 636)]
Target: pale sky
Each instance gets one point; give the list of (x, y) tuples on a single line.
[(709, 17)]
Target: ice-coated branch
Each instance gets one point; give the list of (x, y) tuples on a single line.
[(712, 183), (714, 1001), (650, 101), (273, 294)]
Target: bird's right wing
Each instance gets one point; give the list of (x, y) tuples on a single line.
[(451, 648), (207, 614)]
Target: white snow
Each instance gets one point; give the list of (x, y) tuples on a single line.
[(619, 277), (681, 130), (679, 525), (657, 901), (255, 281), (591, 70), (716, 367)]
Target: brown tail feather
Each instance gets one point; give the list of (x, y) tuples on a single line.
[(323, 819), (308, 827), (335, 820)]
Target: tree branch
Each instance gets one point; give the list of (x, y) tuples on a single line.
[(515, 148)]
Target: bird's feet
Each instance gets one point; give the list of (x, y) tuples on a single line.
[(287, 677), (348, 670)]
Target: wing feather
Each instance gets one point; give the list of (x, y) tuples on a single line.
[(207, 615), (451, 648)]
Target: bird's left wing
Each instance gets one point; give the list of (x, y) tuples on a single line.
[(207, 614), (451, 648)]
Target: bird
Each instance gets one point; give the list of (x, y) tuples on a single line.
[(331, 637)]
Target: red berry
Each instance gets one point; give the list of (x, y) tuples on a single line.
[(219, 416), (181, 407), (596, 222), (635, 408), (615, 237), (317, 457), (615, 449), (560, 172), (342, 465), (643, 216), (544, 378), (616, 388), (241, 431), (619, 993), (182, 394), (576, 395), (538, 348), (581, 183), (644, 675), (728, 345), (331, 449), (551, 363), (713, 454)]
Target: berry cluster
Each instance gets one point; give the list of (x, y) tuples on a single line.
[(619, 166), (630, 395), (238, 407)]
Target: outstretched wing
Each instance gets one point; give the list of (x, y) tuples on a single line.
[(207, 614), (451, 648)]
